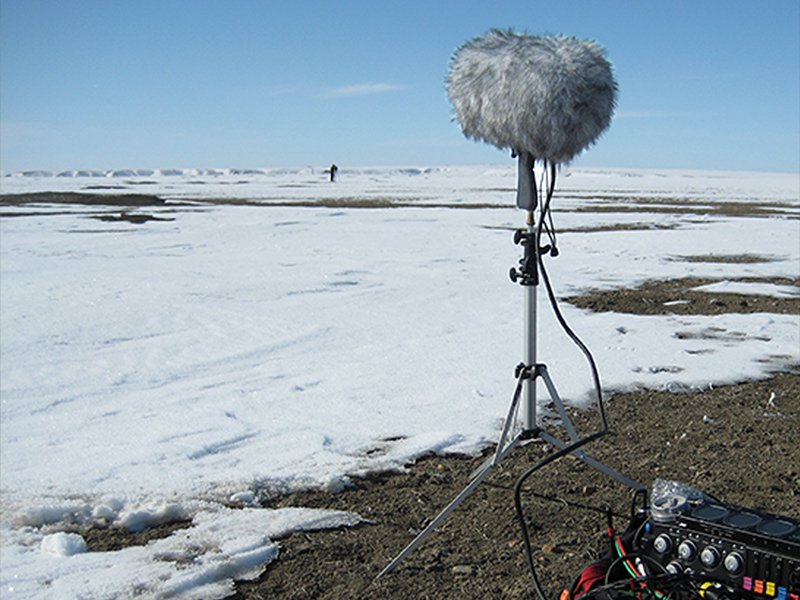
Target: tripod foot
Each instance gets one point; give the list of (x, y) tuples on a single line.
[(475, 480)]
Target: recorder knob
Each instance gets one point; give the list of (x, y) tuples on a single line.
[(733, 563), (674, 568), (710, 557), (662, 544), (687, 550)]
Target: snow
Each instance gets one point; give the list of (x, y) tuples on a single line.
[(198, 562), (190, 369), (63, 544), (751, 288)]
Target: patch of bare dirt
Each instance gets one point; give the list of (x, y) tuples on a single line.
[(725, 258), (638, 204), (135, 218), (110, 539), (80, 198), (677, 296)]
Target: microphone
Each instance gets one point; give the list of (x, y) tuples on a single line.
[(543, 97)]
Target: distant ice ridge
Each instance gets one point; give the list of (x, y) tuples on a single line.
[(95, 173), (194, 172), (452, 184)]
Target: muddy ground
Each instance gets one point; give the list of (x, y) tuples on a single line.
[(732, 442)]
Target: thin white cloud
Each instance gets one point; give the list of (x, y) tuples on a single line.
[(362, 89)]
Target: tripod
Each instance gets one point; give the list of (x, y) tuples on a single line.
[(530, 274)]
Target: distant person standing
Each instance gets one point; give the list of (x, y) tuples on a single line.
[(334, 171)]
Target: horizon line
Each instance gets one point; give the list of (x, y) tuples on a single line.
[(262, 170)]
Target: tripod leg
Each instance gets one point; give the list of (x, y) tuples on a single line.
[(542, 371), (611, 472), (579, 453), (477, 477), (510, 417)]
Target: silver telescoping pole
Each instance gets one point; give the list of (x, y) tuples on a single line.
[(529, 351), (526, 199)]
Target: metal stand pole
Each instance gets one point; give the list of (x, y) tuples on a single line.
[(526, 200), (529, 350)]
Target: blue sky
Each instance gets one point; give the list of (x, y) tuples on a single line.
[(257, 83)]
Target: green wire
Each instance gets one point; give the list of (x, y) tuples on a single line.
[(620, 550)]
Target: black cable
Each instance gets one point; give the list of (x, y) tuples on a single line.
[(678, 580), (551, 189), (544, 213), (669, 585), (518, 502), (578, 342), (544, 210), (551, 498)]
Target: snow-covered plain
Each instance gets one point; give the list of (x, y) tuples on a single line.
[(181, 368)]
